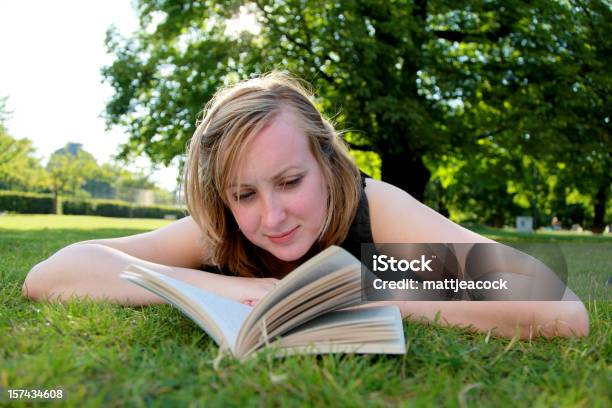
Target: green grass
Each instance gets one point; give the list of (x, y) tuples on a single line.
[(107, 355), (510, 235)]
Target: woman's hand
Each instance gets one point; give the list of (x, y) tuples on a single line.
[(250, 290)]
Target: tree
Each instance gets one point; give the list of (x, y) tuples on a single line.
[(544, 92), (4, 113), (102, 182), (69, 168), (585, 145), (411, 80), (114, 181), (162, 80), (491, 187), (19, 168)]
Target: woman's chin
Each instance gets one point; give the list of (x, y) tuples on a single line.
[(288, 256), (289, 253)]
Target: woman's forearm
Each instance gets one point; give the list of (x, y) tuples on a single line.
[(503, 318), (92, 270)]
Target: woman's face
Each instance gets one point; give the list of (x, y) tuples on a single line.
[(281, 203)]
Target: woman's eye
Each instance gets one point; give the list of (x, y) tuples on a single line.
[(291, 182), (243, 196)]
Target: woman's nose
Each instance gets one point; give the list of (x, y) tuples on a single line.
[(273, 212)]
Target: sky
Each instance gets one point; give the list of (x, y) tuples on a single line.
[(51, 55)]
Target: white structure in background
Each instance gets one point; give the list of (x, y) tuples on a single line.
[(145, 197), (524, 224)]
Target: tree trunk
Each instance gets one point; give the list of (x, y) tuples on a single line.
[(57, 204), (407, 172), (499, 220), (601, 198)]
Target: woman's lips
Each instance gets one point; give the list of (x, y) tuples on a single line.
[(283, 238)]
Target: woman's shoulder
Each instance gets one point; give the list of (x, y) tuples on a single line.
[(385, 203), (386, 195), (396, 216)]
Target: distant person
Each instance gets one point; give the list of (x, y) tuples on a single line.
[(268, 183), (555, 224)]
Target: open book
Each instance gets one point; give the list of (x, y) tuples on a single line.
[(301, 314)]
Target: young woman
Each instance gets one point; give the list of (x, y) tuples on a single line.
[(269, 183)]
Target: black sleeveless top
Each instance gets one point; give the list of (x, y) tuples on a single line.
[(360, 231)]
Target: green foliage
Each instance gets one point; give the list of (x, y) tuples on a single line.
[(353, 53), (164, 197), (70, 171), (69, 168), (110, 208), (163, 80), (102, 183), (75, 173), (19, 168), (541, 91), (571, 214), (140, 211), (78, 207), (26, 203), (31, 203), (113, 181), (4, 113), (492, 189), (413, 82), (368, 162), (113, 209)]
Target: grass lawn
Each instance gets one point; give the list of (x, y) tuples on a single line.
[(112, 356)]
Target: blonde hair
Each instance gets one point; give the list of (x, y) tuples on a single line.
[(230, 118)]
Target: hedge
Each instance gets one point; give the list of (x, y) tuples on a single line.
[(32, 203), (26, 203)]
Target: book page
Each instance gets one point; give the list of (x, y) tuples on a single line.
[(307, 303), (220, 317), (387, 316), (322, 264), (377, 329)]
